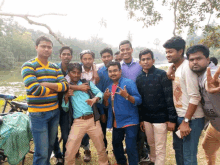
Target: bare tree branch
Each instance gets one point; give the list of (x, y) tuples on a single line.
[(26, 17), (175, 8), (3, 1)]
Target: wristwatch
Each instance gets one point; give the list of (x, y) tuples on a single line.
[(186, 120)]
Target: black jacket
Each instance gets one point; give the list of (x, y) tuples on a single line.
[(157, 97)]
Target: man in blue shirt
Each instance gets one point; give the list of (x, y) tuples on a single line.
[(83, 118), (105, 81), (122, 114)]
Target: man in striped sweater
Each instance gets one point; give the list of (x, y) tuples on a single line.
[(43, 80)]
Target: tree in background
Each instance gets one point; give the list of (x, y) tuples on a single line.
[(186, 13)]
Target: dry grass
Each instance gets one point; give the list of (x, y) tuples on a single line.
[(170, 158)]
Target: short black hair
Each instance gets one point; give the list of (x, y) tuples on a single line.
[(214, 60), (144, 52), (198, 48), (43, 38), (106, 50), (125, 42), (72, 66), (117, 53), (87, 52), (66, 47), (175, 43), (112, 63)]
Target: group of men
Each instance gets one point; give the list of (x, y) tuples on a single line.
[(132, 97)]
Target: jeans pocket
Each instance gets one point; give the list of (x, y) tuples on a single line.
[(36, 114)]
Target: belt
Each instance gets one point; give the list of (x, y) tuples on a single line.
[(86, 117)]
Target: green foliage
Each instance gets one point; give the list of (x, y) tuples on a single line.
[(187, 13)]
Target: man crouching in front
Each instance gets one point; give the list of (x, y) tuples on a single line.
[(83, 118)]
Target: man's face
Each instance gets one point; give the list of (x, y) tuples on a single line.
[(75, 75), (126, 51), (114, 73), (173, 55), (106, 58), (66, 56), (146, 61), (198, 62), (87, 60), (118, 58), (44, 49)]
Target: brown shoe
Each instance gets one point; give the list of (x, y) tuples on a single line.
[(87, 156), (78, 154)]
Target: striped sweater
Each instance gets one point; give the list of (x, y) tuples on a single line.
[(39, 98)]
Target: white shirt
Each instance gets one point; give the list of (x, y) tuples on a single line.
[(186, 90)]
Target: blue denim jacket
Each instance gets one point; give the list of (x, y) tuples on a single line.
[(126, 113)]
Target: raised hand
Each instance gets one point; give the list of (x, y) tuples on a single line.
[(122, 92), (107, 94), (91, 101), (212, 84)]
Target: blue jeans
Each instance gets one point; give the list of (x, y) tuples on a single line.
[(85, 142), (131, 133), (44, 130), (64, 126), (186, 149)]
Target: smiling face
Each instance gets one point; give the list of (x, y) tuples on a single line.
[(75, 75), (65, 56), (44, 49), (126, 52), (114, 73), (87, 61), (173, 56), (146, 62), (198, 62)]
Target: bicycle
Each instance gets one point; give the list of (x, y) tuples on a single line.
[(14, 107)]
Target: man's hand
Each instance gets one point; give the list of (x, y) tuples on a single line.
[(84, 87), (95, 74), (103, 118), (69, 93), (122, 92), (142, 126), (212, 84), (171, 126), (92, 101), (171, 72), (106, 94), (184, 129)]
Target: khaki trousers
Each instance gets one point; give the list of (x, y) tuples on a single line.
[(78, 130), (156, 137), (211, 144)]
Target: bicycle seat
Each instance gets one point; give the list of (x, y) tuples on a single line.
[(7, 97), (20, 105)]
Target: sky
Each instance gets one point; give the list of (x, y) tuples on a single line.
[(83, 17)]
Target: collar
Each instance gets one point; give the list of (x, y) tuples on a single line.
[(151, 70), (45, 66), (83, 70), (132, 61)]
